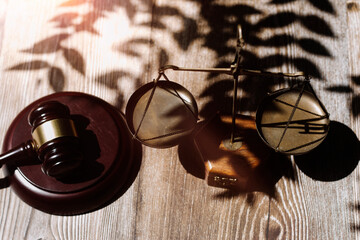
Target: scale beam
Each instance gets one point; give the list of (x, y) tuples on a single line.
[(232, 70)]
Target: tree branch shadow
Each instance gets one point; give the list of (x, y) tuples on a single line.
[(222, 21)]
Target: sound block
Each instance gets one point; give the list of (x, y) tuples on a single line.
[(108, 151), (230, 164)]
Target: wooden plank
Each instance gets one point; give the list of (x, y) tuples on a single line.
[(320, 209), (182, 206), (3, 7), (353, 18), (69, 46), (110, 48)]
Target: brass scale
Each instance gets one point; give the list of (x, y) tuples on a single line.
[(291, 121)]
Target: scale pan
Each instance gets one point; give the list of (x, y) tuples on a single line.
[(160, 113), (307, 128)]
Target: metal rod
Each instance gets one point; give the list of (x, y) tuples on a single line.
[(232, 71), (233, 117), (272, 74), (291, 116), (210, 70), (147, 104)]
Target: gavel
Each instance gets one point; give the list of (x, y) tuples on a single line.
[(54, 142), (89, 155)]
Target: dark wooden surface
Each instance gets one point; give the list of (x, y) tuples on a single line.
[(110, 48)]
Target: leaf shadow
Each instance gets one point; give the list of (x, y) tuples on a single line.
[(31, 65), (222, 18), (56, 79), (222, 21), (75, 59), (48, 45)]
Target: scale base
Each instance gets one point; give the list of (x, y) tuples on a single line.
[(230, 165), (232, 146)]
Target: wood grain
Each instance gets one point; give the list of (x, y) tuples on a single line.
[(353, 18), (110, 48)]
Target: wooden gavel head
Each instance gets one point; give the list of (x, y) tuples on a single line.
[(54, 140)]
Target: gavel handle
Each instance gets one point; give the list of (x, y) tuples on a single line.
[(23, 151)]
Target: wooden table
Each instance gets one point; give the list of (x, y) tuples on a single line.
[(110, 48)]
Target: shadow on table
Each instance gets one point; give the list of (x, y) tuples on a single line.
[(222, 21), (335, 158), (135, 168), (254, 167), (4, 183)]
